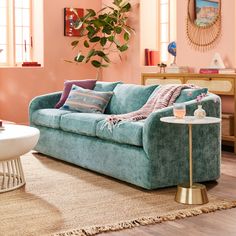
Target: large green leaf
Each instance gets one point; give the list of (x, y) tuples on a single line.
[(91, 53), (100, 53), (91, 29), (126, 36), (103, 41), (98, 23), (117, 2), (79, 58), (126, 8), (107, 29), (96, 63), (106, 58), (95, 39), (104, 65), (91, 34), (91, 12), (123, 48), (74, 43), (118, 30), (86, 44), (111, 38), (102, 17)]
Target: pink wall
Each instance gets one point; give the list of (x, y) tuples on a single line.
[(128, 70), (20, 85), (226, 45)]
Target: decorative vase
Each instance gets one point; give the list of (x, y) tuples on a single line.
[(199, 113)]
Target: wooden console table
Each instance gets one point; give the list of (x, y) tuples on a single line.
[(220, 84)]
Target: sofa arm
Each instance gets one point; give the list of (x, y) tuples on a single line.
[(156, 134), (44, 101)]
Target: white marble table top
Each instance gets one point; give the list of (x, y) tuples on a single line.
[(16, 140), (190, 120), (12, 131)]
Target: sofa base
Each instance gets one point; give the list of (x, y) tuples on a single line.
[(124, 162)]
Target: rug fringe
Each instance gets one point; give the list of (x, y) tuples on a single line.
[(180, 214)]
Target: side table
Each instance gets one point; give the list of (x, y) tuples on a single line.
[(15, 140), (192, 193)]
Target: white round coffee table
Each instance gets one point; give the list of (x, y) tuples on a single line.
[(191, 193), (15, 140)]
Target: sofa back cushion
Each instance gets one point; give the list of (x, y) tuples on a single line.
[(129, 97), (105, 86), (190, 94), (85, 100)]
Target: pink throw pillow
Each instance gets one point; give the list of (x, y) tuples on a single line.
[(86, 84)]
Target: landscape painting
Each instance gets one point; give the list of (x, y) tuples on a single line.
[(206, 11)]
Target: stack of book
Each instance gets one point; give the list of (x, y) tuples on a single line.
[(216, 71), (177, 69), (152, 57), (31, 63)]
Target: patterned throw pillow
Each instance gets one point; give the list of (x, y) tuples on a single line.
[(190, 94), (86, 84), (85, 100)]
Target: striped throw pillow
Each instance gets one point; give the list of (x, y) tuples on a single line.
[(86, 100)]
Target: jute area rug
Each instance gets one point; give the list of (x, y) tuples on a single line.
[(61, 199)]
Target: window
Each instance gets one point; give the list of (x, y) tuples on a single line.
[(3, 31), (15, 30), (164, 29), (167, 27), (22, 30)]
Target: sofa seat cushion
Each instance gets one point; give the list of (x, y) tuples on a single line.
[(48, 117), (126, 133), (81, 123)]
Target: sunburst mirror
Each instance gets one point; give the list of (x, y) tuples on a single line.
[(203, 23)]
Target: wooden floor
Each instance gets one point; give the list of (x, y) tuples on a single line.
[(219, 223)]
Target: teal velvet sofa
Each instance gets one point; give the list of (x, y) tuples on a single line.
[(148, 153)]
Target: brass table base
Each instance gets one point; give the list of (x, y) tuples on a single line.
[(196, 194)]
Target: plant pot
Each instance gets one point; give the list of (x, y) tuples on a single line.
[(199, 113)]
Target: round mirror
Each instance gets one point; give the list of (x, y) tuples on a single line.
[(203, 22)]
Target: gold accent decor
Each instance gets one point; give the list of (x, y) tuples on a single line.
[(197, 194), (202, 38), (192, 193)]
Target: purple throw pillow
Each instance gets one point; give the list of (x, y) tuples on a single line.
[(86, 84)]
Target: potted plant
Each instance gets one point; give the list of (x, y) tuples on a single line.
[(102, 34)]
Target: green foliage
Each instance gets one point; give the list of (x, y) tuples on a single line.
[(103, 33)]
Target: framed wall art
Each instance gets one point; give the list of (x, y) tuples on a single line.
[(206, 11), (71, 16)]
